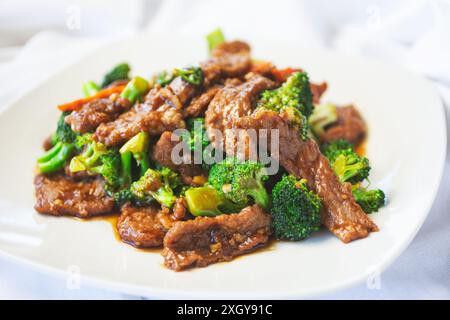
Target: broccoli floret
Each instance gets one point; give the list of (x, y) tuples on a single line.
[(332, 148), (207, 201), (240, 182), (293, 98), (295, 93), (158, 185), (369, 200), (322, 116), (126, 195), (64, 132), (63, 146), (96, 158), (214, 39), (295, 209), (192, 75), (197, 139), (138, 146), (346, 163), (119, 72)]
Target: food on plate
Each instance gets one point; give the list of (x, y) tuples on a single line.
[(181, 158)]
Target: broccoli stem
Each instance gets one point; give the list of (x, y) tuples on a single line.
[(90, 88), (135, 89), (138, 146), (214, 39), (126, 167), (144, 163), (58, 160), (50, 153), (260, 196)]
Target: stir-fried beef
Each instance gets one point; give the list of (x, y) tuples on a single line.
[(341, 214), (318, 90), (58, 195), (207, 240), (199, 104), (146, 227), (229, 59), (350, 126), (96, 112), (161, 111), (141, 227), (190, 173), (183, 90), (232, 102)]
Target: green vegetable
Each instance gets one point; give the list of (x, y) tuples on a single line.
[(346, 163), (192, 75), (204, 201), (96, 158), (157, 184), (164, 78), (293, 98), (90, 88), (207, 201), (240, 182), (138, 146), (214, 39), (322, 116), (295, 209), (63, 146), (198, 139), (135, 89), (119, 72), (369, 200)]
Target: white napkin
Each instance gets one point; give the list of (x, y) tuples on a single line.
[(410, 33)]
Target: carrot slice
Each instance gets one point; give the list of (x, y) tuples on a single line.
[(105, 93), (282, 74)]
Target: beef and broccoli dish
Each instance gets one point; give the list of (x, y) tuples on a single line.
[(158, 154)]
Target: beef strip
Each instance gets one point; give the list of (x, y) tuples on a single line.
[(199, 104), (183, 90), (96, 112), (341, 214), (207, 240), (190, 173), (229, 59), (232, 102), (350, 126), (161, 111), (59, 195), (145, 227)]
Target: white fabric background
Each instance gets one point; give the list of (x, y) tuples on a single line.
[(37, 38)]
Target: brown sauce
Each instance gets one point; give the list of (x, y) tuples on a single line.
[(112, 220)]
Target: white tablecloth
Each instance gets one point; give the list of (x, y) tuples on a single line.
[(414, 34)]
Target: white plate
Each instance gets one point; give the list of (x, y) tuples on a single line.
[(406, 147)]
